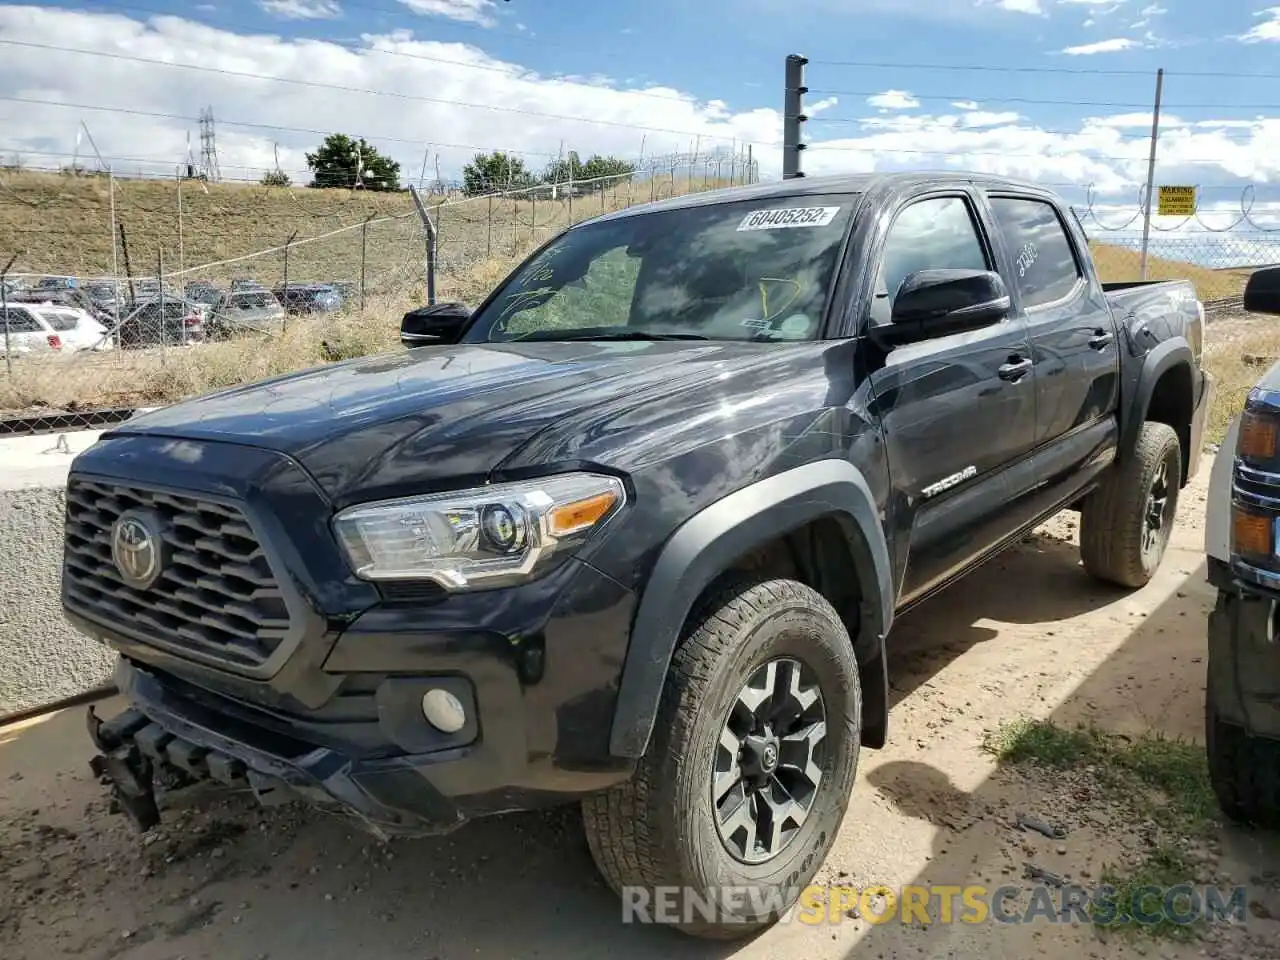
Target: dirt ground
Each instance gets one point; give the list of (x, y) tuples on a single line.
[(1027, 635)]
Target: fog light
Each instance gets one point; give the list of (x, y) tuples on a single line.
[(443, 711)]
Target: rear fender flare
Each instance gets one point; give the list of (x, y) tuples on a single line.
[(710, 542), (1162, 358)]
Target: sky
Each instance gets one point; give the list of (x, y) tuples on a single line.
[(1059, 91)]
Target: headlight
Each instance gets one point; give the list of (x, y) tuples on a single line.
[(479, 537)]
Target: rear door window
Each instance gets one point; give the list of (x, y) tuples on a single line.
[(61, 321), (20, 321), (1045, 267)]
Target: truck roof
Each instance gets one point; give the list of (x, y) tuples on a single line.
[(812, 186)]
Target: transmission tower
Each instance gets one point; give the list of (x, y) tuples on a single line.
[(209, 147)]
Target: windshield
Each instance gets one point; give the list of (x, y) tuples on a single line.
[(748, 270)]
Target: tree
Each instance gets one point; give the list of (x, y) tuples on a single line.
[(276, 178), (494, 172), (564, 170), (596, 169), (344, 162)]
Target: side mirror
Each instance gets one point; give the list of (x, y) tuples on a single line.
[(440, 323), (935, 303), (1262, 292)]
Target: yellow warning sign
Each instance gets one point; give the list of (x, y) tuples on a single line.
[(1176, 202)]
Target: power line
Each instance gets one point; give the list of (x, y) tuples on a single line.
[(364, 91), (1055, 103), (1077, 71), (155, 115)]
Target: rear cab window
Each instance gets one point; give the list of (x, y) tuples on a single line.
[(1044, 263)]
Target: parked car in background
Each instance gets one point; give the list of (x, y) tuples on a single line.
[(348, 290), (105, 294), (308, 298), (163, 321), (77, 298), (56, 283), (50, 329), (246, 283), (202, 291), (245, 311)]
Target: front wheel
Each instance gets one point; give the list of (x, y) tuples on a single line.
[(746, 780), (1125, 524)]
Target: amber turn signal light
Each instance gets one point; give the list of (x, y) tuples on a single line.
[(1257, 439), (573, 517), (1250, 533)]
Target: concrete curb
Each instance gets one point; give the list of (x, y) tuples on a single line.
[(44, 661)]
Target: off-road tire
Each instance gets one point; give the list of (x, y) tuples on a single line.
[(1112, 517), (1244, 770), (659, 829)]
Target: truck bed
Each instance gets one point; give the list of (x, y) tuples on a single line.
[(1159, 308)]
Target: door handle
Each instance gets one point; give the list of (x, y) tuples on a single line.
[(1015, 369), (1101, 339)]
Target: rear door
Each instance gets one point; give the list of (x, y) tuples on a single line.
[(1073, 338), (957, 412), (23, 330)]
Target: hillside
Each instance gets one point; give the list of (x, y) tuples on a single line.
[(60, 224)]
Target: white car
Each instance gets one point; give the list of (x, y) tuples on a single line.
[(53, 328)]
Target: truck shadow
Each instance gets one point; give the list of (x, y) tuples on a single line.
[(1039, 581)]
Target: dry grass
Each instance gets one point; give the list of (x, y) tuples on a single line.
[(61, 225)]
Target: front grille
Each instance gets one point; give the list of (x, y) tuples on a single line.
[(216, 596)]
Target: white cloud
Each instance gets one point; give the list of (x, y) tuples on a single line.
[(1021, 6), (1090, 3), (986, 118), (813, 109), (1089, 23), (1114, 45), (1154, 10), (1269, 29), (466, 11), (255, 115), (302, 9), (894, 100)]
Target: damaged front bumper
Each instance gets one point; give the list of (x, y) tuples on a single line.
[(151, 749)]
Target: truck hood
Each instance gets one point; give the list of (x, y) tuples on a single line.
[(385, 425)]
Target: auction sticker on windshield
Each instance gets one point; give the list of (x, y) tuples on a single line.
[(788, 218)]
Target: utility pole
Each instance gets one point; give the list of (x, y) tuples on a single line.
[(1151, 170), (793, 116)]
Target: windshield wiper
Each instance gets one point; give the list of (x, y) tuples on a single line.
[(634, 335)]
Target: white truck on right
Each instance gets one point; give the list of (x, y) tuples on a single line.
[(1242, 547)]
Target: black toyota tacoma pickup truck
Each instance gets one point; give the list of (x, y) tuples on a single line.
[(634, 531)]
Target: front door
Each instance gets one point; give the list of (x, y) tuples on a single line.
[(957, 412)]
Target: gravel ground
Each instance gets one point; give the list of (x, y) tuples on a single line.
[(1027, 635)]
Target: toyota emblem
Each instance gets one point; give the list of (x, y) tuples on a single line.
[(136, 549)]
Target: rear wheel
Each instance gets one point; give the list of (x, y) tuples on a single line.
[(1125, 524), (748, 772)]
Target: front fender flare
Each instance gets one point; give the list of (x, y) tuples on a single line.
[(711, 541)]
